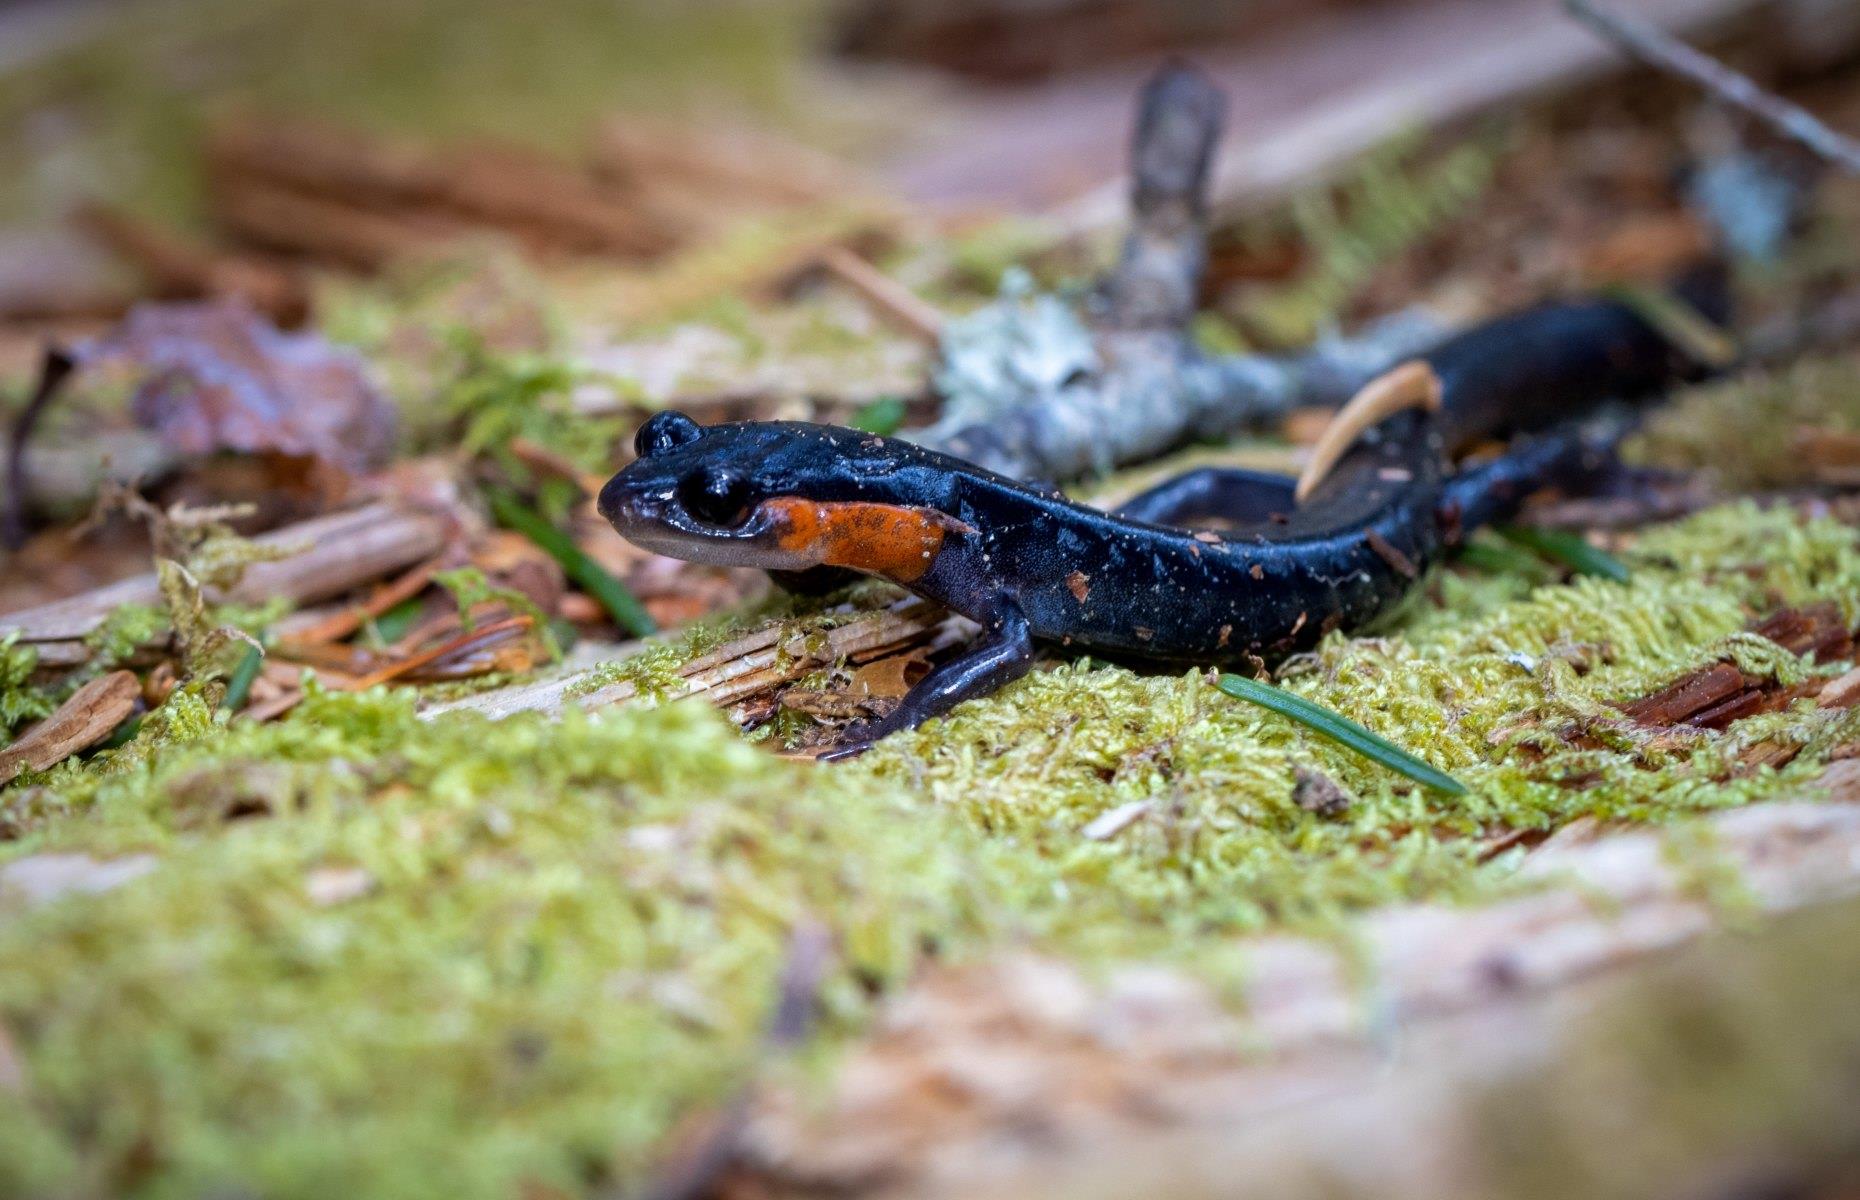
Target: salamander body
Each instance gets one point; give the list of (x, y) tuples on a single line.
[(1212, 566)]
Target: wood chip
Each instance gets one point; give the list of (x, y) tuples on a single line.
[(1841, 693), (1693, 694), (80, 723)]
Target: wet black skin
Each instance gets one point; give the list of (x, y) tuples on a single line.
[(1216, 566)]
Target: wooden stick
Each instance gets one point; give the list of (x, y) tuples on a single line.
[(743, 667), (261, 213), (1657, 48), (891, 300), (548, 204), (56, 369), (332, 555)]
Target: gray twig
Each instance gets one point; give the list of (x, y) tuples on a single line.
[(1657, 48), (1032, 391)]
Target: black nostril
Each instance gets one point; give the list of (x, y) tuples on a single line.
[(665, 431)]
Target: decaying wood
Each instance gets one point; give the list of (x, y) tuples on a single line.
[(260, 213), (981, 1071), (1655, 47), (78, 724), (1693, 694), (711, 1151), (1719, 693), (56, 368), (734, 167), (330, 555), (734, 671)]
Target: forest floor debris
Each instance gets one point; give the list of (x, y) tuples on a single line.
[(474, 890)]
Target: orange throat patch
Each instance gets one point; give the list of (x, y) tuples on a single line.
[(898, 541)]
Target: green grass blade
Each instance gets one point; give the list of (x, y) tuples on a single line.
[(883, 416), (1342, 730), (612, 595), (1495, 559), (239, 686), (1570, 549)]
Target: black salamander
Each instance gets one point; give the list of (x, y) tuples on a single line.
[(1215, 565)]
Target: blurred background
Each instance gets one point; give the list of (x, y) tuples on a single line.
[(497, 236)]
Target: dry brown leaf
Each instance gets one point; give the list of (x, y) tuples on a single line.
[(217, 376), (889, 678)]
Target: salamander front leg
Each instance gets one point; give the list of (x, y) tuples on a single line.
[(1002, 657)]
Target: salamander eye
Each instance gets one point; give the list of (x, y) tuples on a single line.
[(715, 496), (665, 431)]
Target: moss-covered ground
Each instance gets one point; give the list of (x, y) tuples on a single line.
[(384, 955)]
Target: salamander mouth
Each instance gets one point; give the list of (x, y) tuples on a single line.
[(654, 519)]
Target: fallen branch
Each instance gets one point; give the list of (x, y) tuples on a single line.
[(1132, 384), (260, 213), (78, 724), (732, 672), (1657, 48), (267, 170), (330, 556), (1088, 1062)]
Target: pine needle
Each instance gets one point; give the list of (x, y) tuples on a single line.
[(1342, 730), (612, 595)]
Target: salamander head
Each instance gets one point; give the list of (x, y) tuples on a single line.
[(778, 495)]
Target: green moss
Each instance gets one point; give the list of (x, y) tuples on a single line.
[(381, 954), (20, 699), (454, 956), (25, 697), (1513, 697), (495, 399), (1398, 195), (1744, 430)]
